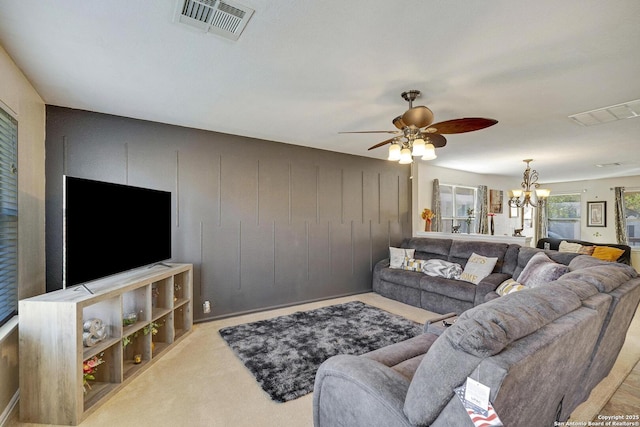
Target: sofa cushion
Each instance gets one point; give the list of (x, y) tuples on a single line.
[(607, 253), (427, 248), (450, 288), (477, 268), (525, 254), (604, 275), (540, 270), (442, 268), (401, 277), (461, 251), (397, 256)]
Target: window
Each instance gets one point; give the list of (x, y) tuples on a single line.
[(8, 217), (563, 216), (455, 202), (632, 215)]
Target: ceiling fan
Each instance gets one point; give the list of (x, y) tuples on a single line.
[(417, 135)]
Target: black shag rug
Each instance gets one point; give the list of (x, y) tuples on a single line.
[(285, 352)]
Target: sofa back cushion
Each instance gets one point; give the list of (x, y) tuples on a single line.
[(428, 248), (462, 250), (480, 332)]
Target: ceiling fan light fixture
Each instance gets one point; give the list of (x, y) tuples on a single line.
[(394, 152), (405, 156), (418, 147), (429, 152)]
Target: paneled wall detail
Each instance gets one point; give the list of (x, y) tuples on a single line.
[(265, 224)]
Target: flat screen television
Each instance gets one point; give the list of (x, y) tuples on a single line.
[(110, 228)]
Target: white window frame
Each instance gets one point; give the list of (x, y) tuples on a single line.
[(576, 220), (448, 221)]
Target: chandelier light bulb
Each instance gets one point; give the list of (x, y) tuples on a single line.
[(405, 156), (418, 147), (394, 152), (429, 152)]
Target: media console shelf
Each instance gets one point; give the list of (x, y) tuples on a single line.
[(144, 313)]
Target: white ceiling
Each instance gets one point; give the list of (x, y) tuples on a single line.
[(304, 70)]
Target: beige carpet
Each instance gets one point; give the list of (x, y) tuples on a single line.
[(202, 383)]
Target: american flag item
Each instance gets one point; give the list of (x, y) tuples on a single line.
[(488, 418)]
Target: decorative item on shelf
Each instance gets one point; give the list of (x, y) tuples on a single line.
[(93, 331), (89, 368), (427, 215), (530, 195), (177, 287), (517, 232), (492, 225), (469, 219), (129, 338), (129, 319), (137, 359), (455, 228), (155, 293)]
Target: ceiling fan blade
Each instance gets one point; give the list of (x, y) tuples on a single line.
[(418, 116), (437, 140), (397, 122), (380, 144), (374, 131), (461, 125)]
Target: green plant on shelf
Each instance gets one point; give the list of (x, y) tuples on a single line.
[(129, 338), (152, 328)]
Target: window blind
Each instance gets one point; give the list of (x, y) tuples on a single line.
[(8, 216)]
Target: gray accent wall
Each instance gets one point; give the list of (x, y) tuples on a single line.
[(265, 224)]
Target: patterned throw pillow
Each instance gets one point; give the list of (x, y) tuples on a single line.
[(477, 268), (441, 268), (586, 250), (411, 264), (397, 256), (540, 270), (509, 286)]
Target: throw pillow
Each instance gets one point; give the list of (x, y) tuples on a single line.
[(441, 268), (569, 247), (477, 268), (411, 264), (586, 250), (607, 253), (397, 256), (540, 270), (509, 286)]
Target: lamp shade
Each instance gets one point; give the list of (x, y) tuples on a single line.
[(405, 156), (429, 152), (418, 147), (394, 152), (543, 193), (516, 193)]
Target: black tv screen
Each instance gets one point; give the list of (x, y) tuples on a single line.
[(110, 228)]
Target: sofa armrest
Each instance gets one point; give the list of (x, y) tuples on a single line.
[(488, 284), (357, 391)]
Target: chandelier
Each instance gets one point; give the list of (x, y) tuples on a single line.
[(530, 195), (403, 149)]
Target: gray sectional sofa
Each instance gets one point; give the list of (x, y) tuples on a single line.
[(541, 351), (442, 295)]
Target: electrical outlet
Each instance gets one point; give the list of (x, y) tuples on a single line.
[(206, 307)]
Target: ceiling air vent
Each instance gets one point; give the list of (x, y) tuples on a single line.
[(627, 110), (224, 18)]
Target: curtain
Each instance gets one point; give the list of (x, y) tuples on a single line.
[(620, 217), (436, 225), (482, 210), (542, 227)]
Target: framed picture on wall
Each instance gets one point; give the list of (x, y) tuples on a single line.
[(495, 201), (596, 214), (514, 212)]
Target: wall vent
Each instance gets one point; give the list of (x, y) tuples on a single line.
[(224, 18), (627, 110)]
